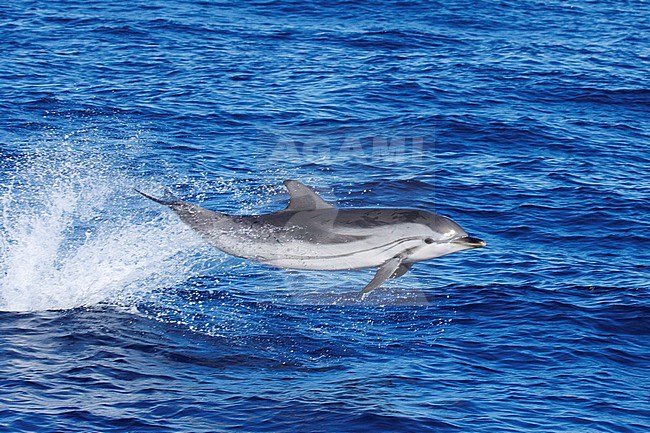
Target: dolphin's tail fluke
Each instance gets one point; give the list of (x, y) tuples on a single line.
[(165, 202)]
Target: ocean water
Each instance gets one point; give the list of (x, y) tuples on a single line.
[(527, 122)]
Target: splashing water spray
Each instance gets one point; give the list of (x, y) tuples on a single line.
[(74, 233)]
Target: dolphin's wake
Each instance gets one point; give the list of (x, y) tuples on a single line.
[(71, 237)]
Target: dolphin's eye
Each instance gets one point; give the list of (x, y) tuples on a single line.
[(428, 241)]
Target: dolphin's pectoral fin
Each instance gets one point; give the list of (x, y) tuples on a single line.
[(401, 270), (383, 273), (302, 197)]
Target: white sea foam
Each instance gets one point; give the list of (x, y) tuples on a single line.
[(73, 233)]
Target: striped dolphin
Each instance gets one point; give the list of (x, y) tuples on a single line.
[(313, 234)]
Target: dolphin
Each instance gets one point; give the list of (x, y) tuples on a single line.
[(315, 235)]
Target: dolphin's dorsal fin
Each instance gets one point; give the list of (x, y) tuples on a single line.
[(302, 197)]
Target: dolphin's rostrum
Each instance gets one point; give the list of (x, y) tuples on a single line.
[(312, 234)]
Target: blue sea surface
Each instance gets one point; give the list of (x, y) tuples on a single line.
[(527, 122)]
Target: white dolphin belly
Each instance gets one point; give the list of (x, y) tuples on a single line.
[(343, 257)]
